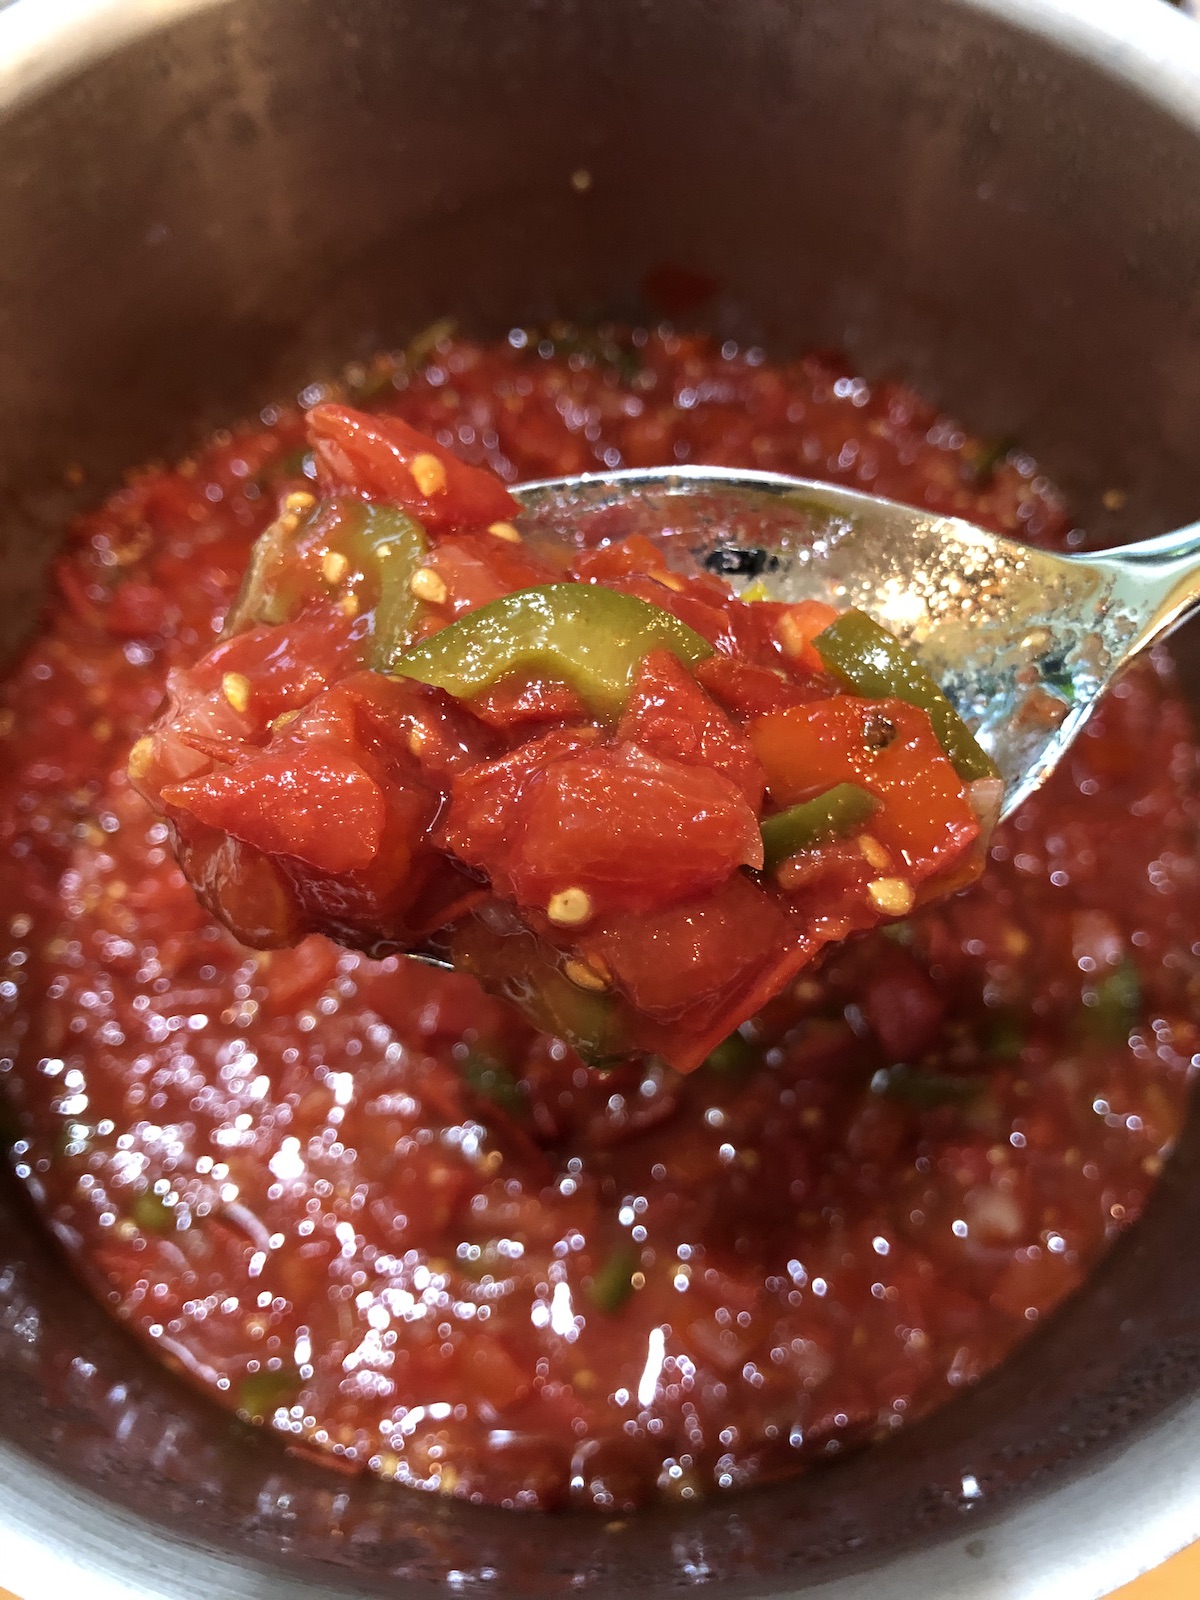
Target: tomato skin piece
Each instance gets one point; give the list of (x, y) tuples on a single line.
[(313, 802), (685, 1044), (670, 715), (484, 799), (888, 748), (373, 456), (749, 690), (596, 819), (284, 669), (633, 554), (239, 884), (477, 568), (403, 722), (796, 626), (514, 704), (711, 621)]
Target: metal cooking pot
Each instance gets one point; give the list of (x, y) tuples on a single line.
[(205, 202)]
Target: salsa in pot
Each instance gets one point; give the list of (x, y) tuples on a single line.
[(364, 1203)]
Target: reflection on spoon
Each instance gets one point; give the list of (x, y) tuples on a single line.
[(1023, 642)]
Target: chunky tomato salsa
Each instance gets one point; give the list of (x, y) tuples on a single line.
[(617, 795), (367, 1204)]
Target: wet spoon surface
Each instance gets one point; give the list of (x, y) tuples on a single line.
[(1024, 643)]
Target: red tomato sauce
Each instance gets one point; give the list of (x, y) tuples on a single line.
[(363, 1203)]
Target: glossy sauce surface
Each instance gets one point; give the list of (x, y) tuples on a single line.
[(362, 1203)]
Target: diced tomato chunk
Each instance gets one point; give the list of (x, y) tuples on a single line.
[(514, 703), (477, 568), (383, 458), (399, 719), (313, 802), (231, 697), (669, 714), (618, 559), (484, 798), (596, 819), (709, 619), (687, 959), (686, 1040), (238, 883), (748, 690), (796, 626)]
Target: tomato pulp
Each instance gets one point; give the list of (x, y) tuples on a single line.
[(358, 1201)]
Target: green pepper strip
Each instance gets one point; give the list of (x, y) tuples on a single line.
[(152, 1214), (260, 597), (867, 658), (732, 1058), (382, 542), (1115, 1005), (591, 637), (926, 1091), (612, 1286), (590, 1023), (839, 810), (521, 968), (489, 1079), (260, 1394), (389, 547)]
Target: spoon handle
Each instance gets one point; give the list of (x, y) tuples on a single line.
[(1173, 550), (1156, 581)]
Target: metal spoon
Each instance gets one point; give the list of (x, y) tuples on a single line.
[(1023, 643)]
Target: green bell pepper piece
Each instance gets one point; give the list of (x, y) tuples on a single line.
[(926, 1091), (382, 543), (870, 661), (612, 1285), (732, 1058), (591, 637), (265, 594), (491, 1080), (260, 1394), (1112, 1009), (524, 970), (152, 1214), (590, 1023), (389, 546), (827, 816)]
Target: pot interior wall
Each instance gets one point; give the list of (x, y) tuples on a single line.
[(246, 200)]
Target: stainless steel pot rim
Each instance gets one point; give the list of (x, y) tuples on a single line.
[(1144, 41), (1065, 1545), (43, 41), (1077, 1541)]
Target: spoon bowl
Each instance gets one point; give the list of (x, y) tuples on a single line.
[(1023, 643)]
